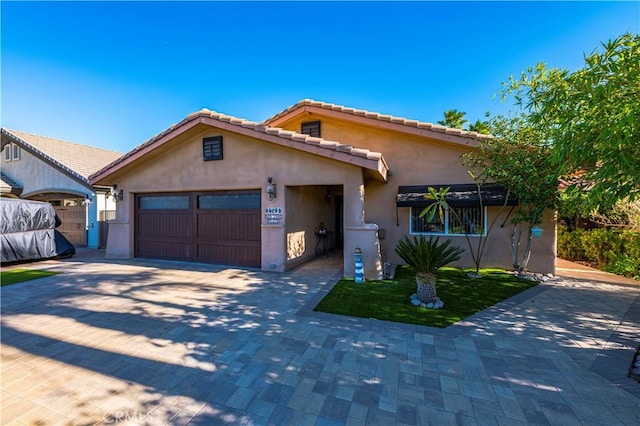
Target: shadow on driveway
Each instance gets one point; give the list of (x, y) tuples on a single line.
[(175, 343)]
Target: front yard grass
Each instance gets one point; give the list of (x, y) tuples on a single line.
[(389, 300), (18, 275)]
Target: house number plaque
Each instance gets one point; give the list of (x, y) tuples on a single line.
[(273, 215)]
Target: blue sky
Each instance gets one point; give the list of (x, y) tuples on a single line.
[(113, 74)]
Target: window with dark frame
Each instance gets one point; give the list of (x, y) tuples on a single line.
[(311, 128), (163, 202), (470, 219), (212, 148), (229, 201)]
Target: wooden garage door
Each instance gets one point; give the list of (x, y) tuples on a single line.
[(221, 227)]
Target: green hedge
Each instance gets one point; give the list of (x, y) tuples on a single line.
[(612, 250)]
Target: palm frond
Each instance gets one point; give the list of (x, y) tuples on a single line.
[(427, 255)]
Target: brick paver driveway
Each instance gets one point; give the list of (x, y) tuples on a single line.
[(142, 342)]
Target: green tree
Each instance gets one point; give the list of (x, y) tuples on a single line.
[(479, 126), (453, 118), (591, 119), (517, 157)]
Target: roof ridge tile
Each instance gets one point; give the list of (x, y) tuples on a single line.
[(378, 116), (258, 127), (311, 140)]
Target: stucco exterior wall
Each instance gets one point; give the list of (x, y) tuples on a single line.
[(415, 160), (35, 175), (178, 167)]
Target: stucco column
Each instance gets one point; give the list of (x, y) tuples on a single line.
[(120, 238), (273, 235), (357, 233), (353, 193)]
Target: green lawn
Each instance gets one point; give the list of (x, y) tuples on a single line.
[(18, 275), (389, 299)]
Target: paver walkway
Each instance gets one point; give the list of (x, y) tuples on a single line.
[(150, 342), (568, 269)]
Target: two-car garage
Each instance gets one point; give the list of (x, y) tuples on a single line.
[(259, 205), (212, 227)]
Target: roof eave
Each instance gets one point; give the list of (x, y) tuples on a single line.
[(398, 124), (13, 190), (371, 161)]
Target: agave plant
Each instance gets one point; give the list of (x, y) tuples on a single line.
[(425, 257)]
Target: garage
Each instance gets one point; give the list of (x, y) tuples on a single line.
[(212, 227)]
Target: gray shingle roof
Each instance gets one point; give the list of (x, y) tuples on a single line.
[(79, 160)]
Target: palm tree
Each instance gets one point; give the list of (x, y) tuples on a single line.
[(480, 127), (453, 118), (425, 257)]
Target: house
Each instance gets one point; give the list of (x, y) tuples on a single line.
[(216, 188), (46, 169)]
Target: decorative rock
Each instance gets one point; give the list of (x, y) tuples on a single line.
[(435, 304), (549, 275)]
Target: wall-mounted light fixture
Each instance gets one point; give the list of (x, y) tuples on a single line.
[(536, 231), (116, 194), (271, 189)]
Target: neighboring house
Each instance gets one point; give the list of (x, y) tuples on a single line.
[(46, 169), (215, 188)]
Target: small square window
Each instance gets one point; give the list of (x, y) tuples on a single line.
[(212, 148), (311, 128)]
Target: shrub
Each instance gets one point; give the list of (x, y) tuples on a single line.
[(624, 264), (426, 256), (614, 250)]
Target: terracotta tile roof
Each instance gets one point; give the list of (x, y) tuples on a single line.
[(8, 185), (575, 179), (289, 138), (79, 160), (376, 116)]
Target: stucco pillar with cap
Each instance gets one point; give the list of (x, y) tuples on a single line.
[(360, 234)]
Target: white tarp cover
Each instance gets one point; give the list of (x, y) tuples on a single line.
[(28, 231)]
